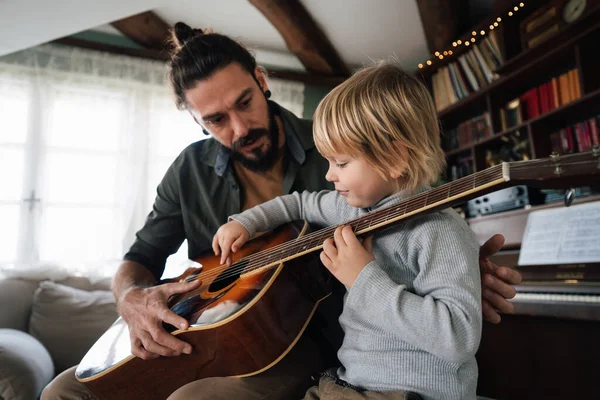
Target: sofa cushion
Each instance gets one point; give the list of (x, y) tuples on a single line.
[(68, 321), (25, 366), (19, 294)]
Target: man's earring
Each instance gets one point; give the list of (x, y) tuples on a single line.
[(268, 94), (205, 132)]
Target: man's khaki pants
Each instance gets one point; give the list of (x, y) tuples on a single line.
[(288, 379)]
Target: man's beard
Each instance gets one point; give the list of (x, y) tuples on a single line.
[(263, 159)]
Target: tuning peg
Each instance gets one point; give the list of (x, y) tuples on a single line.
[(569, 196), (555, 158)]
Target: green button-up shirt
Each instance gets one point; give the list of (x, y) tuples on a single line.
[(200, 191)]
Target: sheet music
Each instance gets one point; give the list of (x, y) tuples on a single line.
[(562, 235)]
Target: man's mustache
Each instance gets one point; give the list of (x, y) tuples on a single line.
[(253, 134)]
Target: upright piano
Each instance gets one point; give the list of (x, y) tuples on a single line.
[(550, 347)]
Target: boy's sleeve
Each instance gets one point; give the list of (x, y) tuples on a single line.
[(443, 315), (321, 208)]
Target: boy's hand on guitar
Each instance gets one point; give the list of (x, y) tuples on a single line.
[(496, 282), (229, 239), (345, 256), (145, 310)]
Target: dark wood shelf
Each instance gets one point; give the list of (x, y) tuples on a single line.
[(462, 149), (585, 100), (557, 113), (500, 134), (568, 36), (467, 100), (514, 77)]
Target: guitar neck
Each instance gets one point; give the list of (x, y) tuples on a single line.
[(432, 200)]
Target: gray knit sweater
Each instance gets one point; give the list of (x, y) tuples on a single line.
[(412, 319)]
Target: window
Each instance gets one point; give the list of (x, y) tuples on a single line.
[(85, 138)]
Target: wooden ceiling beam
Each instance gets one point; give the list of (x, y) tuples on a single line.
[(303, 36), (146, 29), (440, 20), (308, 79)]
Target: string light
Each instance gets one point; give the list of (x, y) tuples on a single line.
[(468, 42)]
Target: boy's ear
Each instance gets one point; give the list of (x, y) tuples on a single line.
[(398, 170)]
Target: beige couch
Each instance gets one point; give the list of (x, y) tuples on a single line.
[(46, 327)]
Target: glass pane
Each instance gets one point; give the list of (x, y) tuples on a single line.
[(14, 108), (9, 232), (12, 161), (178, 263), (80, 178), (173, 130), (80, 234), (86, 118)]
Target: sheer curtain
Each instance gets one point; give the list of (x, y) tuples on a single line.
[(85, 137)]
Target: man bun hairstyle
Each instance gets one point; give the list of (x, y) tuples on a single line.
[(197, 54)]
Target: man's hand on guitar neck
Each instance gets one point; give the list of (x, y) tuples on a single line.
[(144, 308)]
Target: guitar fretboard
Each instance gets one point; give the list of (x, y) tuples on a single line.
[(440, 197)]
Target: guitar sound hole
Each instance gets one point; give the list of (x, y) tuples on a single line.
[(228, 276)]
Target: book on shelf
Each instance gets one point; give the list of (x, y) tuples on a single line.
[(462, 167), (539, 100), (511, 115), (467, 74), (468, 132), (579, 137)]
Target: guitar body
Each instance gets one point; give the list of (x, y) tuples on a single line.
[(240, 325)]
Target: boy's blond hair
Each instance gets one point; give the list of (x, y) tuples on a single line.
[(377, 106)]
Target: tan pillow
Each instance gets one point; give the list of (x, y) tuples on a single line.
[(68, 321), (18, 293)]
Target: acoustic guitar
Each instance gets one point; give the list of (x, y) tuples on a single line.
[(246, 317)]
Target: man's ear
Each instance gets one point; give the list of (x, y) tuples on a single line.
[(261, 79), (399, 168), (196, 118)]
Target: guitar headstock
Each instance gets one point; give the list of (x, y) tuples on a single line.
[(558, 172)]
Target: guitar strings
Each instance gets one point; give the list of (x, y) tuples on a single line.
[(321, 235), (373, 219)]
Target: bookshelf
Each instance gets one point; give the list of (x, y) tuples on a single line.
[(572, 51)]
